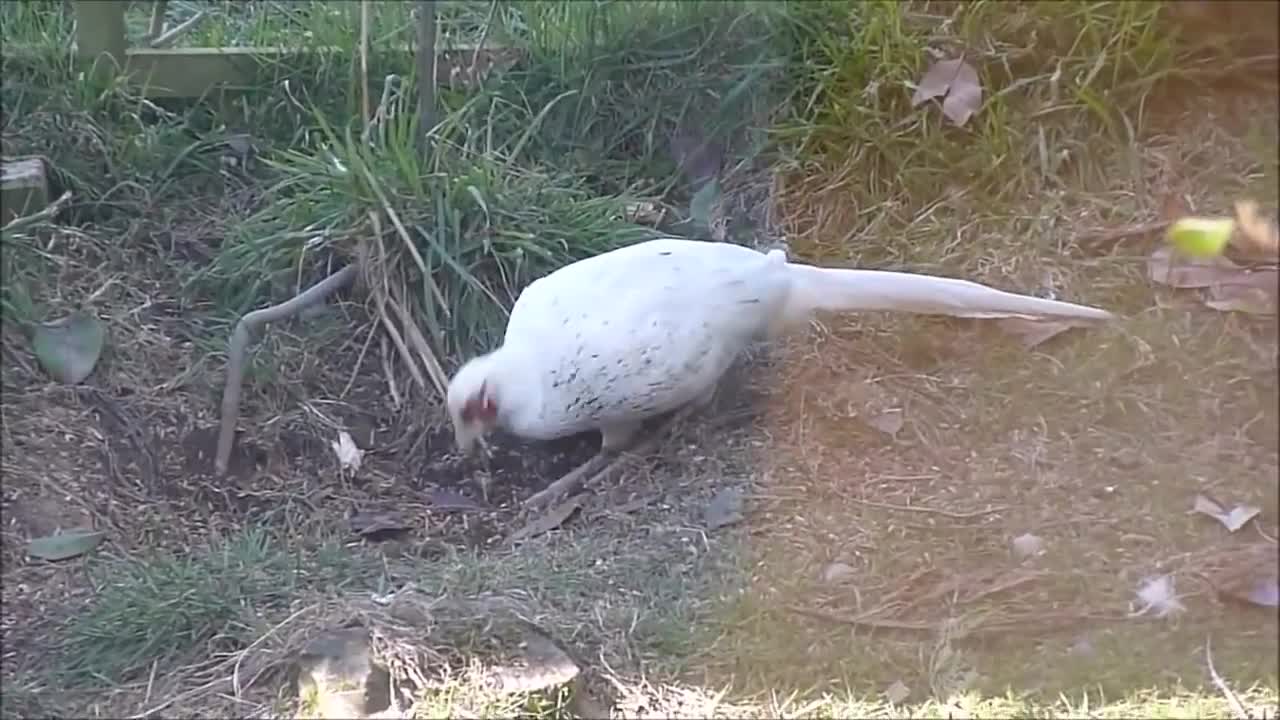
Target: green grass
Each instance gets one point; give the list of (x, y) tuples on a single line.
[(162, 607), (531, 171)]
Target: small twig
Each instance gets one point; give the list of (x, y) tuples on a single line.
[(404, 235), (235, 670), (473, 76), (240, 342), (1258, 526), (398, 340), (178, 31), (381, 295), (1237, 707), (933, 511), (429, 359), (373, 328), (365, 110), (390, 374), (44, 214)]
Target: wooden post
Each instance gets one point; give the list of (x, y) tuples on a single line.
[(100, 35), (24, 187)]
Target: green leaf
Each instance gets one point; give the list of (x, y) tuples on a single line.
[(69, 348), (65, 545), (703, 201)]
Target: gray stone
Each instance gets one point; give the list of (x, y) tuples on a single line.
[(337, 677)]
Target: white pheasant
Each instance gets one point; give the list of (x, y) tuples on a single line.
[(608, 342)]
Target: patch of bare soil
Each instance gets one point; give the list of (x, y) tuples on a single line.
[(130, 452)]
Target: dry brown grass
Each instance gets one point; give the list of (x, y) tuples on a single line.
[(1097, 442)]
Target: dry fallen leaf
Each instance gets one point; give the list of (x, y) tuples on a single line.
[(1256, 293), (69, 348), (897, 692), (835, 572), (1157, 594), (1230, 286), (1027, 545), (1249, 573), (63, 545), (549, 520), (1265, 592), (1233, 520), (888, 423), (724, 508), (1255, 236), (349, 455), (957, 80), (1168, 268)]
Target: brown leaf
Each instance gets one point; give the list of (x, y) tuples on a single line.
[(1255, 237), (366, 524), (549, 520), (1175, 270), (1031, 333), (1249, 574), (888, 423), (724, 508), (960, 83), (1233, 519), (1255, 293)]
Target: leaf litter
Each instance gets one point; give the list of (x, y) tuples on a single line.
[(1228, 286), (837, 572), (897, 692), (958, 81), (66, 545), (1245, 573), (724, 508), (889, 423), (549, 520), (69, 348), (349, 455), (1233, 519)]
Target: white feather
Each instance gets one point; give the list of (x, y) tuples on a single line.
[(1158, 596), (609, 341)]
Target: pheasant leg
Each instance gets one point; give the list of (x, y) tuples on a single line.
[(613, 453)]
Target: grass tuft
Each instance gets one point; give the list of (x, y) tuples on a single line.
[(158, 611)]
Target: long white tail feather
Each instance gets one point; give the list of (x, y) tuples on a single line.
[(845, 290)]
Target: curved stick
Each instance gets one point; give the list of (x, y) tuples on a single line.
[(240, 343)]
